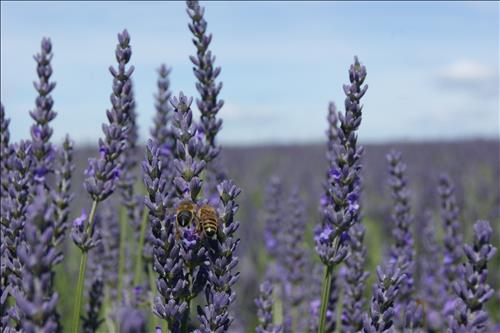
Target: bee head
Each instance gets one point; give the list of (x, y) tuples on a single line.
[(184, 217)]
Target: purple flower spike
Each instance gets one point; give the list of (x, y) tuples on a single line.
[(343, 180), (206, 74), (472, 290), (61, 195), (264, 310), (162, 132), (14, 205), (41, 132), (355, 277), (452, 254), (36, 297), (104, 172), (385, 292), (432, 288), (274, 222), (402, 252), (172, 283)]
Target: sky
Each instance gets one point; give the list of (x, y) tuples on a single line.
[(433, 68)]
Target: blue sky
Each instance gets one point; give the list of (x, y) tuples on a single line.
[(433, 68)]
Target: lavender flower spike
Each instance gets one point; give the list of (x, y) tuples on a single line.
[(5, 153), (188, 167), (274, 221), (43, 114), (432, 290), (402, 252), (37, 299), (161, 131), (264, 310), (342, 207), (294, 260), (104, 172), (472, 289), (168, 264), (13, 219), (452, 255), (385, 292), (61, 195), (219, 293), (204, 70)]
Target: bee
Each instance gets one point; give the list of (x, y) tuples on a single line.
[(208, 221), (186, 213)]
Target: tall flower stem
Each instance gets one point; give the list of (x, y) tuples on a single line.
[(81, 274), (325, 293), (142, 236), (123, 241), (327, 284)]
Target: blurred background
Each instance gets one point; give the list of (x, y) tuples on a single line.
[(433, 76)]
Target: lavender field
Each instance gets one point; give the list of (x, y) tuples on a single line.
[(179, 232)]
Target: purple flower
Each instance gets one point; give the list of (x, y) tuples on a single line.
[(355, 277), (293, 261), (402, 252), (79, 222), (452, 254), (61, 195), (335, 174), (206, 74), (472, 290), (83, 234), (162, 132), (274, 221), (36, 297), (343, 179), (102, 173), (264, 310), (432, 289), (43, 114), (15, 202), (385, 292)]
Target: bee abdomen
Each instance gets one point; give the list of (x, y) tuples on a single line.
[(210, 227)]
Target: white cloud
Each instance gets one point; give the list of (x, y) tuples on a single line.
[(470, 76), (466, 70)]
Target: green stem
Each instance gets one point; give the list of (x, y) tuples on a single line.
[(81, 273), (123, 245), (138, 259), (327, 284), (325, 294)]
